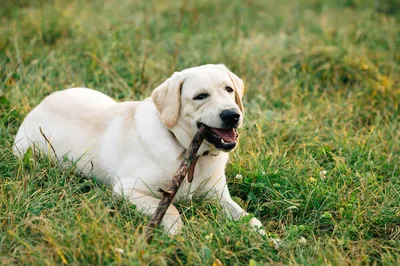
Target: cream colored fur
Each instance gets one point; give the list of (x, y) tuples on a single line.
[(137, 146)]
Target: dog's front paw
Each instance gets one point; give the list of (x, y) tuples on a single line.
[(175, 229), (172, 226), (257, 225)]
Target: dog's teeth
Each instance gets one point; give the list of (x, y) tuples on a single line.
[(222, 141)]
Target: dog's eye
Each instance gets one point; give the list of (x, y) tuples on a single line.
[(228, 89), (201, 96)]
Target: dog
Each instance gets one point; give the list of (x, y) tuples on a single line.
[(136, 146)]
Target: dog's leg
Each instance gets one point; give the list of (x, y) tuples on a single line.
[(220, 191), (172, 222), (237, 212)]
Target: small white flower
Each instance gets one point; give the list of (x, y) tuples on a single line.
[(119, 250), (239, 176), (275, 242), (322, 174), (302, 241)]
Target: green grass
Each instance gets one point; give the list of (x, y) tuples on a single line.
[(322, 94)]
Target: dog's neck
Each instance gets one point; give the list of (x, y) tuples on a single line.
[(184, 139)]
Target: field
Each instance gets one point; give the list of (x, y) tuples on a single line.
[(319, 159)]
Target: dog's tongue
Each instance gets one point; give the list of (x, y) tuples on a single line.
[(228, 135)]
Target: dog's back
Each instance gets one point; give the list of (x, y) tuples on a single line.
[(72, 112)]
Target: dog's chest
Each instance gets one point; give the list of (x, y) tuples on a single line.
[(186, 191), (203, 175)]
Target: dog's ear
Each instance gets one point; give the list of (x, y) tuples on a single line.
[(167, 99)]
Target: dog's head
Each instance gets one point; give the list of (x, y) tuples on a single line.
[(208, 94)]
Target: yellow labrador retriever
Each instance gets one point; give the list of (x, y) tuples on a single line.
[(137, 146)]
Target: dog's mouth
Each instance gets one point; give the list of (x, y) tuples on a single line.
[(222, 138)]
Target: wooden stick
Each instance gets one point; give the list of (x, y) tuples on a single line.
[(177, 180)]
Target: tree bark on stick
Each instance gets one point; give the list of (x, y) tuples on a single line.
[(169, 194)]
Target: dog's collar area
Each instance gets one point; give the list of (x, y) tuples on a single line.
[(190, 173)]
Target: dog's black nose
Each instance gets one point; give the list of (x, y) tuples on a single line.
[(230, 117)]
